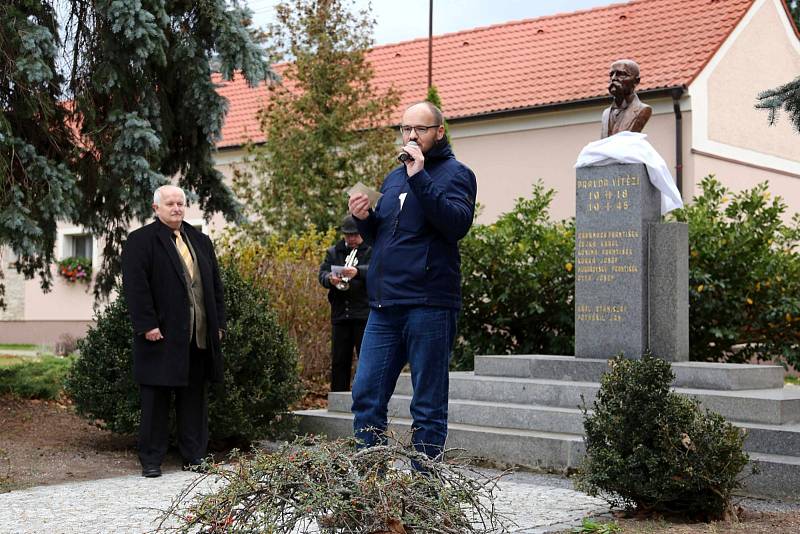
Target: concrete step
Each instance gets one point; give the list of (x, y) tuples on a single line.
[(489, 414), (769, 439), (551, 451), (695, 375), (762, 406), (468, 386), (782, 440), (779, 475)]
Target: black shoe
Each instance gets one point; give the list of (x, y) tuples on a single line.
[(151, 471), (195, 465)]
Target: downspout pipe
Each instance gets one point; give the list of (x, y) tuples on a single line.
[(677, 92)]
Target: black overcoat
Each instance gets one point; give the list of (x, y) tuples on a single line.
[(157, 294), (353, 303)]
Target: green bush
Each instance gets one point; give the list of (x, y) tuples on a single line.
[(744, 272), (654, 450), (518, 284), (38, 379), (260, 368), (288, 269)]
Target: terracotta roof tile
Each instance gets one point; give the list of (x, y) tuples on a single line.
[(535, 62)]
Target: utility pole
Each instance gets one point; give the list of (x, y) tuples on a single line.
[(430, 43)]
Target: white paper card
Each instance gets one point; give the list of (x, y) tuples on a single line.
[(372, 195)]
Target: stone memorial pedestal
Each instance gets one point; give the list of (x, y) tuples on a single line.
[(631, 270)]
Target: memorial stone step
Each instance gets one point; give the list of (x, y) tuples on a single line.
[(761, 438), (765, 406), (492, 414), (552, 451), (696, 375)]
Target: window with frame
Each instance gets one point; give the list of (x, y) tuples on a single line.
[(78, 246)]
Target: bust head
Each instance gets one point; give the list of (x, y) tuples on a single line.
[(627, 113), (623, 79)]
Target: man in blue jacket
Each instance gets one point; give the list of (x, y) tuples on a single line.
[(414, 286)]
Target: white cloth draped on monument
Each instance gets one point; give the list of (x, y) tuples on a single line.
[(632, 147)]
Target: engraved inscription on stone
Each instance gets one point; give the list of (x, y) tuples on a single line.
[(615, 203)]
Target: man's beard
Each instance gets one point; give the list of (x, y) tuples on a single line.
[(436, 144)]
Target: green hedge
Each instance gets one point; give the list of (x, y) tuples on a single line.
[(744, 273), (518, 284), (260, 368)]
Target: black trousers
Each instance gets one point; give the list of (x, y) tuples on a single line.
[(191, 414), (346, 336)]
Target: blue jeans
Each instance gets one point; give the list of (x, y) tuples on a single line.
[(422, 336)]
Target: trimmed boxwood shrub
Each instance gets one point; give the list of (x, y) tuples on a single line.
[(260, 368), (651, 449)]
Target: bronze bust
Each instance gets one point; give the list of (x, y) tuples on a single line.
[(627, 112)]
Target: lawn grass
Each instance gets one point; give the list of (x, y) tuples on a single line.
[(7, 360), (791, 380), (41, 378)]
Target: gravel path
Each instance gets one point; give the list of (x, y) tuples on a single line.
[(132, 504)]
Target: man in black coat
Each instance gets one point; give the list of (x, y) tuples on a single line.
[(171, 282), (349, 304)]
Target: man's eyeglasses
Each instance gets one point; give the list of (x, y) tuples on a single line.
[(421, 130)]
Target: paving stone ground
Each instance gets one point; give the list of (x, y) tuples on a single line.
[(132, 504)]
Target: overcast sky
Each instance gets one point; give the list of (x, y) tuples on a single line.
[(402, 20)]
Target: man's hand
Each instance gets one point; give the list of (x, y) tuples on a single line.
[(413, 166), (350, 272), (334, 279), (153, 335), (359, 206)]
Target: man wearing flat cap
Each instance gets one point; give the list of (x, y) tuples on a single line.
[(347, 293)]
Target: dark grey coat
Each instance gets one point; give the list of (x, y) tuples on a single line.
[(156, 291)]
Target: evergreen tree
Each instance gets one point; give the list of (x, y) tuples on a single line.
[(326, 125), (786, 96), (134, 106), (433, 98)]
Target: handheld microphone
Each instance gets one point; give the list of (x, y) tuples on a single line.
[(405, 156)]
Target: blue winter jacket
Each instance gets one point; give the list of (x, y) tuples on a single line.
[(415, 258)]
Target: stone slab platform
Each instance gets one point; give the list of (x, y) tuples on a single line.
[(696, 375), (780, 440), (551, 451), (765, 406)]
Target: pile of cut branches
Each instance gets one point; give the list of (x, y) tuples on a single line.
[(314, 485)]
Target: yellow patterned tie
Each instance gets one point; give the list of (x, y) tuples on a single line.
[(183, 250)]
